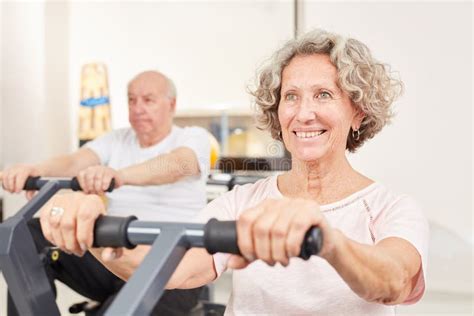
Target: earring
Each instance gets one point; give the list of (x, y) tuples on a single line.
[(279, 134), (356, 134)]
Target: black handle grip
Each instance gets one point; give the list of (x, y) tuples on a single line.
[(75, 186), (35, 183), (111, 231), (31, 184), (221, 236), (312, 244)]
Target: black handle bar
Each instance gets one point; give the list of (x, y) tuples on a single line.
[(36, 183), (217, 236), (221, 236)]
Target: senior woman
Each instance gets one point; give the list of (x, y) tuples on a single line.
[(322, 95)]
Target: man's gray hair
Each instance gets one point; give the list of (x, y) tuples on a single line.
[(171, 87)]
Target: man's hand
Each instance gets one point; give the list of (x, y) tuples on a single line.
[(96, 179), (14, 178)]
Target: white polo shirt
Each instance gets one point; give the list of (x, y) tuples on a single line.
[(180, 201)]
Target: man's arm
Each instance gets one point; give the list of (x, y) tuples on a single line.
[(14, 177), (68, 165), (166, 168)]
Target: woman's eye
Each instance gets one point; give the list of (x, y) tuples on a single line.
[(324, 95), (290, 97)]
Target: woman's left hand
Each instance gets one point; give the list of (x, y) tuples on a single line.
[(274, 230)]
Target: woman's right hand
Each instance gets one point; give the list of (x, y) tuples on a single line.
[(274, 230), (67, 221)]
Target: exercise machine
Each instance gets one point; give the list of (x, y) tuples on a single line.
[(31, 291)]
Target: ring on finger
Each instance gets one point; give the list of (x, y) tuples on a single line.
[(56, 211)]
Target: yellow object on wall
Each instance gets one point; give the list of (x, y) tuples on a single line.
[(215, 150)]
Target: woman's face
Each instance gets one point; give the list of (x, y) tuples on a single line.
[(315, 114)]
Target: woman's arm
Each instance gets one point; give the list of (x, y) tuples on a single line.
[(274, 230), (384, 273), (73, 231), (195, 269)]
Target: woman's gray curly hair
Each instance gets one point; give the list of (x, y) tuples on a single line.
[(368, 82)]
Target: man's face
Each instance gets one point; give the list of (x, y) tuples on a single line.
[(150, 108)]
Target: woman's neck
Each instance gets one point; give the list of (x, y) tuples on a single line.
[(325, 181)]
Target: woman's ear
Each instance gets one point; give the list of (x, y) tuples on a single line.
[(357, 120)]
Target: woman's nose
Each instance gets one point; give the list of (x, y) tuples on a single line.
[(306, 111)]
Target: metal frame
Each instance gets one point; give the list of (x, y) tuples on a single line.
[(28, 283), (146, 286), (20, 263)]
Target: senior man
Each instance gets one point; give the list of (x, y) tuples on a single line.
[(160, 171)]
